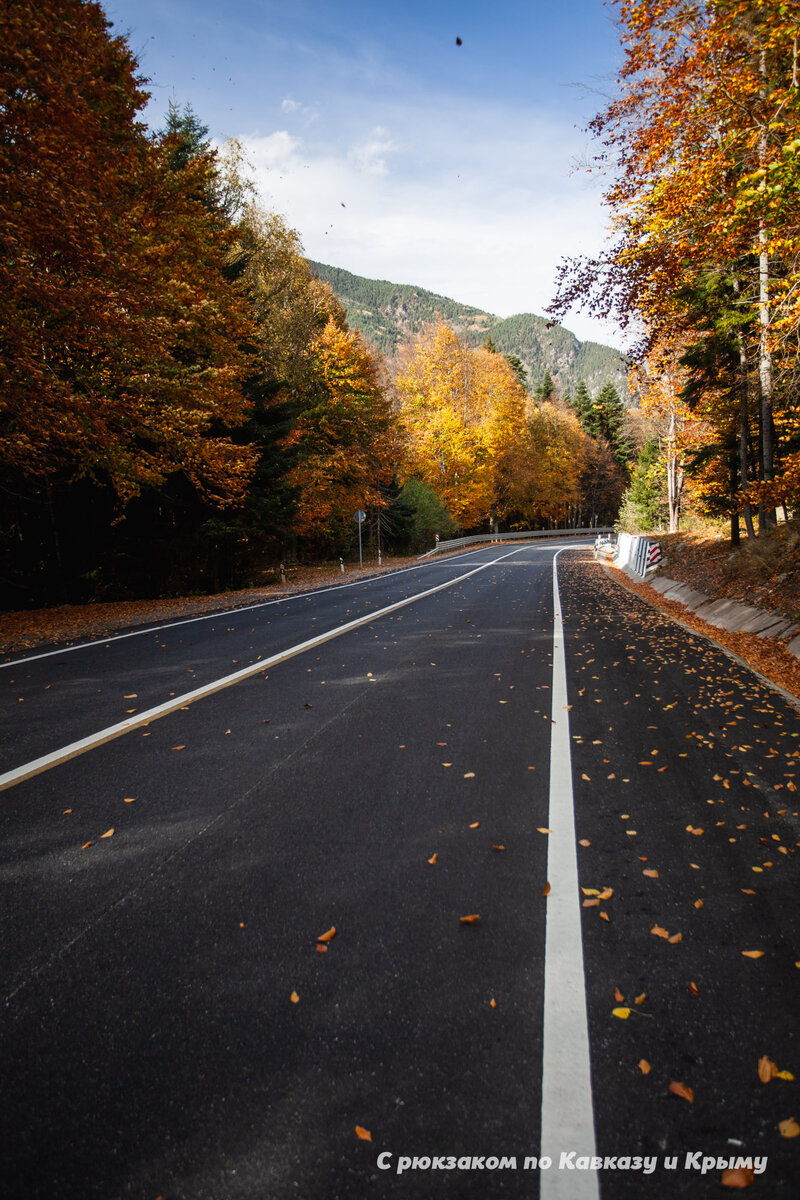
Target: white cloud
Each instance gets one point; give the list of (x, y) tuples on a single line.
[(477, 206)]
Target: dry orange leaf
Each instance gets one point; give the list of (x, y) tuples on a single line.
[(132, 696), (129, 800), (604, 916), (328, 936), (64, 811), (766, 1069), (295, 999), (691, 829), (641, 999), (546, 891), (474, 824), (698, 903), (433, 859), (622, 1013), (644, 1066), (651, 873), (108, 833), (493, 1003), (364, 1134), (789, 1128), (676, 937), (85, 845), (659, 931), (584, 842), (469, 775), (606, 893), (738, 1177), (591, 903), (618, 996), (498, 847), (694, 989), (680, 1089), (540, 830), (321, 948), (472, 919), (179, 747), (753, 953)]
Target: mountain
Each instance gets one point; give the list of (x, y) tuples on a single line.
[(389, 314)]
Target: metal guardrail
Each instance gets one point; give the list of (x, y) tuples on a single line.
[(455, 543)]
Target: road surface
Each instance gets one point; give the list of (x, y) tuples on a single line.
[(455, 740)]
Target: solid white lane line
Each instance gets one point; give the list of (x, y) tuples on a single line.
[(46, 761), (567, 1113), (227, 612)]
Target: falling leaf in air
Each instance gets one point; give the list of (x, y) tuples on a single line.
[(753, 953), (432, 859), (364, 1134), (789, 1128), (472, 919), (622, 1013), (680, 1089), (644, 1066), (738, 1177), (328, 936), (295, 999), (108, 833)]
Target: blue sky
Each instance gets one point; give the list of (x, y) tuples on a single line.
[(393, 151)]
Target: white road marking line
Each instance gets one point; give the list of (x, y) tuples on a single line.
[(232, 612), (46, 761), (567, 1112)]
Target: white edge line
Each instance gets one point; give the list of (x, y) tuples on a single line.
[(567, 1113), (46, 761), (232, 612)]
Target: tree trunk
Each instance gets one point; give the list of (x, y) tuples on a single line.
[(766, 515)]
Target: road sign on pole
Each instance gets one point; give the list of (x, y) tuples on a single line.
[(359, 516)]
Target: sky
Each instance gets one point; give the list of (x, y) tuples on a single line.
[(395, 152)]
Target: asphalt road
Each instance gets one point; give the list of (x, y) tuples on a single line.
[(152, 1043)]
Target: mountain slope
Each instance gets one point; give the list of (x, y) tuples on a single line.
[(389, 314)]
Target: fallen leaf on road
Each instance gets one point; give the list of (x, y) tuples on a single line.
[(474, 824), (178, 747), (753, 953), (785, 1075), (129, 800), (322, 949), (676, 937), (641, 999), (698, 903), (365, 1134), (132, 696), (593, 903), (618, 996), (546, 891), (644, 1066), (650, 873), (622, 1013), (432, 860), (469, 775), (691, 829), (108, 833), (606, 893), (766, 1069), (472, 919), (789, 1128), (590, 891), (738, 1177), (604, 916), (64, 811), (694, 989), (539, 829), (584, 842), (680, 1089), (659, 931), (86, 845), (295, 999), (498, 847), (328, 935)]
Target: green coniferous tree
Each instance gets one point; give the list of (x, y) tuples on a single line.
[(610, 416), (546, 389), (581, 405), (518, 367)]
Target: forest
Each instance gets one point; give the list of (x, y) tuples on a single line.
[(184, 405)]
